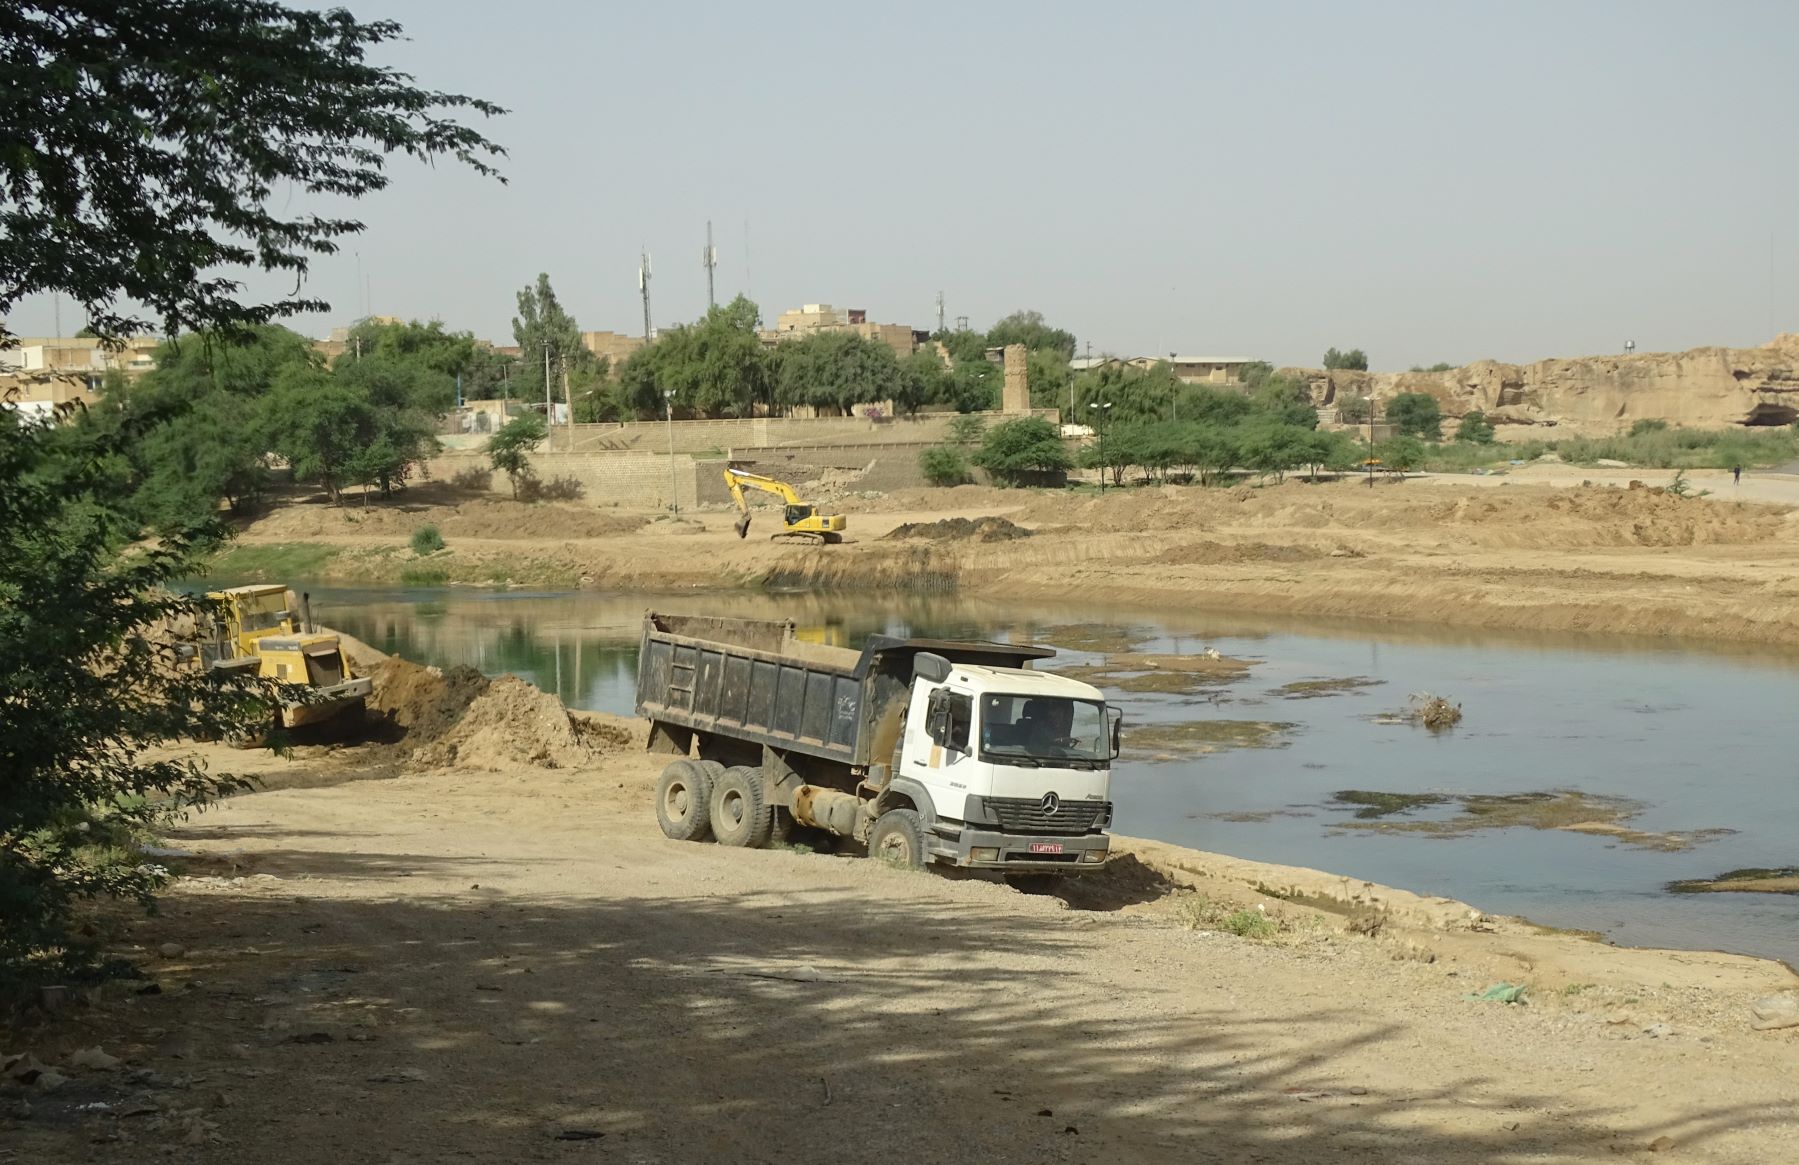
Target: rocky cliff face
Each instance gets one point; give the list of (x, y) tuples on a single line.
[(1703, 388)]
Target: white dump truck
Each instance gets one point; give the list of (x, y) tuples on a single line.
[(927, 750)]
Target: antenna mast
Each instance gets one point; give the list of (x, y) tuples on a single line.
[(643, 285), (709, 259)]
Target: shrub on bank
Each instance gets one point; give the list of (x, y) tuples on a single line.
[(943, 466), (426, 540)]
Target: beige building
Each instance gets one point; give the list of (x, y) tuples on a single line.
[(814, 318), (82, 356), (37, 394), (614, 347)]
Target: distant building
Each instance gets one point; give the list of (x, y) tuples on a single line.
[(1188, 369), (82, 357), (815, 318), (37, 394), (612, 346)]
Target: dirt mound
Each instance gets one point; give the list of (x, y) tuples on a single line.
[(514, 725), (1614, 517), (476, 518), (424, 702), (960, 530)]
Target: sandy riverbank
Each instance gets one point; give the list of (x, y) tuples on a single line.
[(432, 945), (1538, 551)]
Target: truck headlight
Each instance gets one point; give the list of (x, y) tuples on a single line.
[(1094, 855), (983, 854)]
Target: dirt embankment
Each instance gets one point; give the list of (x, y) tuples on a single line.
[(1549, 558)]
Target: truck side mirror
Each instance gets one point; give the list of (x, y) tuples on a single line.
[(1116, 719), (931, 668)]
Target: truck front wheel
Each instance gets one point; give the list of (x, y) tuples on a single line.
[(898, 837), (683, 801), (740, 812)]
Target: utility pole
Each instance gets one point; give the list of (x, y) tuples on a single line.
[(643, 285), (549, 411), (710, 260)]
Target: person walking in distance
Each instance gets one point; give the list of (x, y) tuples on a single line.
[(1736, 475)]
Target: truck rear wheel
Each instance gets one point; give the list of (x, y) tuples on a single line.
[(683, 801), (898, 837), (740, 812)]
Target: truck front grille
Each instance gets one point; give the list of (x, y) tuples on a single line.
[(1022, 815)]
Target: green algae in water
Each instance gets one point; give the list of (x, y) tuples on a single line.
[(1316, 689), (1167, 742), (1563, 809), (1753, 880), (1377, 805)]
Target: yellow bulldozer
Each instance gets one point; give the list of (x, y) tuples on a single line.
[(801, 522), (259, 631)]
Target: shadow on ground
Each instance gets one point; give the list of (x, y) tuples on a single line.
[(781, 1027)]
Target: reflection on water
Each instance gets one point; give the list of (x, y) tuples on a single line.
[(1692, 740)]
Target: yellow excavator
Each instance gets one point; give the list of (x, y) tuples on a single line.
[(801, 521)]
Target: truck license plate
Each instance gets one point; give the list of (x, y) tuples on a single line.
[(1046, 847)]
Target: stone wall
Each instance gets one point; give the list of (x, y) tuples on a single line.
[(1702, 388), (628, 479)]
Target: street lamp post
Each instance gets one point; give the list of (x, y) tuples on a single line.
[(1098, 412), (1369, 400), (668, 403)]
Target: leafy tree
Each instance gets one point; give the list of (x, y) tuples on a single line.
[(542, 325), (1048, 375), (1135, 394), (1403, 453), (146, 141), (321, 429), (1355, 409), (943, 465), (1286, 401), (1117, 451), (1354, 359), (90, 685), (967, 429), (509, 450), (153, 147), (975, 386), (1440, 366), (1416, 414), (1016, 452), (923, 380), (1272, 447), (1474, 427), (1028, 328), (963, 347), (1255, 373), (716, 367), (835, 370)]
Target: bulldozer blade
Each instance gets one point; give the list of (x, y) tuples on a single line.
[(742, 526)]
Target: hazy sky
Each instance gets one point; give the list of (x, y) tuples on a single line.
[(1428, 181)]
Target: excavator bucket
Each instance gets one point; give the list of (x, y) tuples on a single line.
[(742, 525)]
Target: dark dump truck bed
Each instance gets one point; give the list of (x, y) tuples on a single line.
[(753, 680)]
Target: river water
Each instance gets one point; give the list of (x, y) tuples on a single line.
[(1694, 739)]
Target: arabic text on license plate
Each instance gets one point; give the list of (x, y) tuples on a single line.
[(1046, 847)]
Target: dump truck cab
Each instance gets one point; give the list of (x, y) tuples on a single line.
[(1014, 766), (259, 632)]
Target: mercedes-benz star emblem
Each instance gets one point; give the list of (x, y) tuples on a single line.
[(1051, 803)]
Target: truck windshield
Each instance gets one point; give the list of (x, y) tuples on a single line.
[(1034, 731)]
